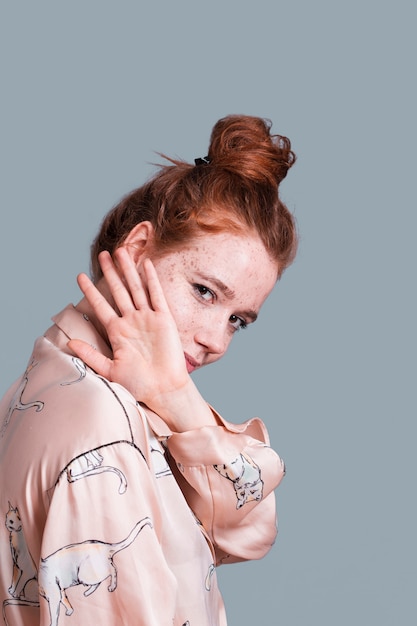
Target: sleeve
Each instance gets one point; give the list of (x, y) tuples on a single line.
[(101, 558), (228, 474)]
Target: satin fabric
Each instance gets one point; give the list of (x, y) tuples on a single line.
[(109, 517)]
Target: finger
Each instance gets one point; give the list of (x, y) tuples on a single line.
[(118, 289), (94, 359), (133, 279), (156, 294), (96, 300)]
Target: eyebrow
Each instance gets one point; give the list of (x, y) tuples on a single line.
[(228, 293)]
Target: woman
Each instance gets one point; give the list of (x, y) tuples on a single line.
[(122, 490)]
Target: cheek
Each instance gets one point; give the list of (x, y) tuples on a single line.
[(183, 307), (185, 318)]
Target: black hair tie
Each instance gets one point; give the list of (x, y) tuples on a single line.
[(202, 161)]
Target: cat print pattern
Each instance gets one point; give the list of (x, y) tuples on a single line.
[(24, 585), (82, 371), (24, 569), (245, 475), (91, 464), (88, 563), (17, 403)]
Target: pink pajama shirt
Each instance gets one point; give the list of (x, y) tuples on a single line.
[(109, 517)]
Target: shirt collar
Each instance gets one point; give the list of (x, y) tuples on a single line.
[(76, 325)]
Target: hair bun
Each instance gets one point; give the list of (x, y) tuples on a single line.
[(244, 145)]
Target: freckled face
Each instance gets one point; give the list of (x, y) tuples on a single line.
[(214, 287)]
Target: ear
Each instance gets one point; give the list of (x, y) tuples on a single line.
[(139, 241)]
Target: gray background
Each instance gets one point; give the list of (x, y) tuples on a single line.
[(89, 90)]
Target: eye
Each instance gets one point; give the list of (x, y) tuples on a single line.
[(237, 322), (204, 292)]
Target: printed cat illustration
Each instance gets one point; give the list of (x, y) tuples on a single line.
[(246, 478), (81, 367), (17, 403), (90, 464), (88, 563), (24, 585), (209, 576), (24, 569), (160, 465)]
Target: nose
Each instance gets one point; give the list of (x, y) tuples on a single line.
[(214, 338)]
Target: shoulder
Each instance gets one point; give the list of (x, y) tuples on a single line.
[(77, 404)]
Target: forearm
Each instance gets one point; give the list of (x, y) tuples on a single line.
[(228, 478), (183, 409)]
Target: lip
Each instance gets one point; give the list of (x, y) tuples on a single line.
[(191, 363)]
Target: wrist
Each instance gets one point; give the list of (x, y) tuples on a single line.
[(183, 409)]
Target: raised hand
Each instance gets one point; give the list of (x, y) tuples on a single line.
[(148, 359)]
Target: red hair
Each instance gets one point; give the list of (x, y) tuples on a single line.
[(235, 189)]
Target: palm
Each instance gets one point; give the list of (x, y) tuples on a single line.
[(148, 358)]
